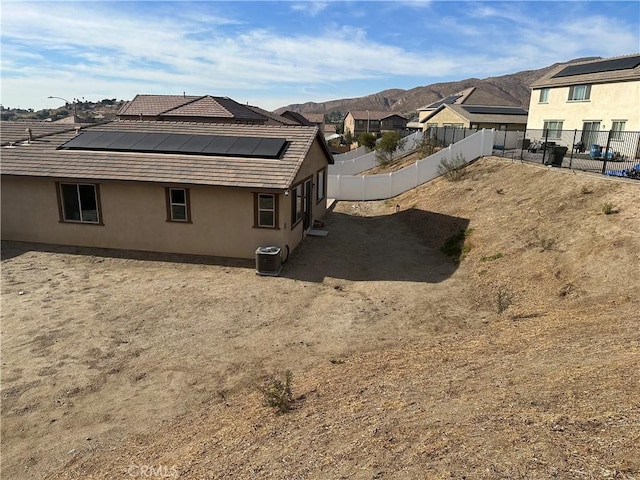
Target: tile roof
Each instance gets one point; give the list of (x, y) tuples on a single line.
[(177, 106), (608, 76), (296, 117), (468, 96), (485, 113), (372, 115), (41, 158), (272, 118), (16, 131)]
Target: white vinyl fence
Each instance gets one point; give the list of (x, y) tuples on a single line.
[(388, 185), (346, 164)]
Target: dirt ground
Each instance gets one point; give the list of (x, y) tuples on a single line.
[(522, 361)]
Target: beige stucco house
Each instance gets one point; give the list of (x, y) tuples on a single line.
[(472, 108), (358, 122), (598, 95), (191, 188)]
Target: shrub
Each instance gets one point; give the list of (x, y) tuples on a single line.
[(387, 146), (585, 190), (367, 140), (278, 394), (503, 300), (491, 258), (456, 247), (608, 208), (452, 170)]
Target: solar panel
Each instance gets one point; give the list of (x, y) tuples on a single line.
[(489, 110), (243, 146), (219, 145), (172, 143), (599, 67), (214, 145), (149, 142), (270, 147)]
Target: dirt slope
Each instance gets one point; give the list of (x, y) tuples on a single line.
[(521, 362)]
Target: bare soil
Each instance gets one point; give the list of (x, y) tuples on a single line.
[(520, 360)]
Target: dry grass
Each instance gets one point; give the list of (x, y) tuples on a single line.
[(448, 387)]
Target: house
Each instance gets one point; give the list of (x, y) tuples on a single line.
[(190, 188), (188, 108), (358, 122), (473, 108), (590, 97)]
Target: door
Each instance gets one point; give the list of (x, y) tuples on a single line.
[(589, 134), (307, 202)]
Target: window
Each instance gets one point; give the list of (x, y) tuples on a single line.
[(617, 127), (544, 95), (321, 186), (552, 129), (578, 93), (178, 205), (79, 202), (265, 210), (297, 205), (453, 125)]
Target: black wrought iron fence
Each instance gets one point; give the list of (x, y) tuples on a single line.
[(445, 136), (608, 152)]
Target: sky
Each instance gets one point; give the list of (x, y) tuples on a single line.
[(273, 54)]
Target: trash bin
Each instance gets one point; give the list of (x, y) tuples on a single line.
[(596, 151), (268, 261), (554, 155)]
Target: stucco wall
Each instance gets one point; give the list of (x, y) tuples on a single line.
[(135, 213), (134, 217), (446, 116), (608, 102)]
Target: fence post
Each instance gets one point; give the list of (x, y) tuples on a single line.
[(575, 133), (606, 153), (544, 150), (504, 143)]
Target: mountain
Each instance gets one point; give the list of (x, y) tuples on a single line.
[(512, 88)]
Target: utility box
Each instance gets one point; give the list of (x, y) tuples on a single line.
[(268, 261)]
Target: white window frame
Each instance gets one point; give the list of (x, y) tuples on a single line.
[(617, 127), (321, 184), (184, 204), (579, 93), (554, 133), (272, 210), (544, 95)]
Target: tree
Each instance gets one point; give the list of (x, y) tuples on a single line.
[(387, 147), (368, 140), (426, 145), (348, 137)]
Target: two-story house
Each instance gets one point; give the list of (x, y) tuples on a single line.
[(591, 98), (358, 122)]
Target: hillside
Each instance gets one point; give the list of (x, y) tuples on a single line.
[(520, 362), (512, 88)]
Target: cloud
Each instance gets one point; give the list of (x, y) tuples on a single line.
[(310, 8)]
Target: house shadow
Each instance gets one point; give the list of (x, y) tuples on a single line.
[(403, 246), (12, 249)]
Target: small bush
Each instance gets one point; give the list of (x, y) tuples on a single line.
[(491, 258), (543, 243), (452, 170), (608, 208), (456, 246), (585, 190), (278, 394), (503, 300)]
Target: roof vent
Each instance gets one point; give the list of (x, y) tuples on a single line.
[(77, 130), (29, 135)]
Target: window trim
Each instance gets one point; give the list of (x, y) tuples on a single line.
[(587, 94), (295, 220), (321, 193), (187, 199), (616, 135), (547, 129), (96, 190), (257, 210), (546, 95)]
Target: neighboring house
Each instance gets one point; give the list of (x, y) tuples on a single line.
[(598, 95), (186, 108), (473, 108), (205, 189), (358, 122), (273, 118)]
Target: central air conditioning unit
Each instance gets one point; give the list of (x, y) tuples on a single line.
[(268, 261)]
